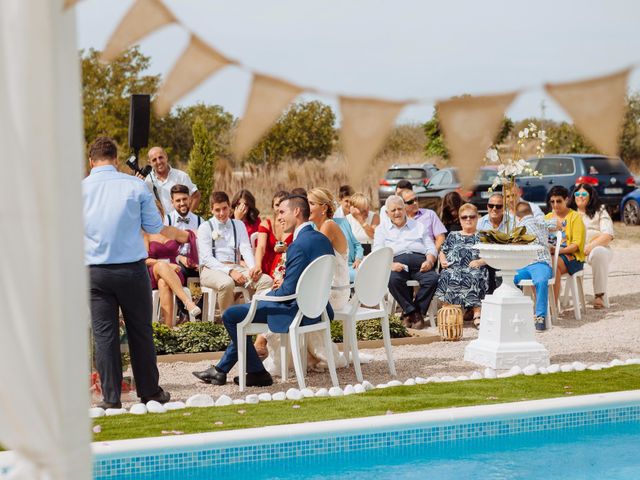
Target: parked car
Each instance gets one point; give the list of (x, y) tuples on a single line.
[(630, 208), (446, 180), (417, 174), (608, 175)]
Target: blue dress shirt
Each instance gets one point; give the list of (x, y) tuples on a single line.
[(116, 207)]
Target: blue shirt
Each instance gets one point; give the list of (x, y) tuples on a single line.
[(485, 224), (116, 207)]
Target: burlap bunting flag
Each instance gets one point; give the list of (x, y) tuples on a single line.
[(596, 106), (196, 63), (268, 98), (70, 3), (366, 122), (470, 125), (144, 17)]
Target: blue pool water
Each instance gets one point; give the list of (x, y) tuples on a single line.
[(603, 451)]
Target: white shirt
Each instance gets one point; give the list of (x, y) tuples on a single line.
[(175, 177), (357, 229), (411, 237), (339, 213), (225, 247), (175, 220)]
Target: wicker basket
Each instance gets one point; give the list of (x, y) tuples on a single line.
[(450, 323)]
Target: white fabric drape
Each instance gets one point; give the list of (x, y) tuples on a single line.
[(43, 288)]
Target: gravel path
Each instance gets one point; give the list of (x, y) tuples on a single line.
[(601, 336)]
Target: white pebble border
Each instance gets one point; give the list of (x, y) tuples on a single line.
[(203, 400)]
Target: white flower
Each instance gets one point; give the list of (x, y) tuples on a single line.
[(533, 127), (215, 234), (492, 155), (542, 135), (520, 134)]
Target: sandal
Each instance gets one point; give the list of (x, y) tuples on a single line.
[(476, 321)]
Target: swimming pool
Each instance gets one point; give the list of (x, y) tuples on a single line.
[(594, 436)]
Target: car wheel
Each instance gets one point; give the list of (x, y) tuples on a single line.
[(631, 214)]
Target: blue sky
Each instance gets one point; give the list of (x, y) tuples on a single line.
[(393, 49)]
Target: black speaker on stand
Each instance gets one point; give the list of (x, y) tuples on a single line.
[(139, 117)]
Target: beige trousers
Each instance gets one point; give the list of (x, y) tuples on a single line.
[(600, 260), (223, 284)]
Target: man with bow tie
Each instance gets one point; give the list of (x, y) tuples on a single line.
[(181, 217), (223, 243)]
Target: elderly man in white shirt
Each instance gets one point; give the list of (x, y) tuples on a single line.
[(163, 177), (414, 258), (222, 244)]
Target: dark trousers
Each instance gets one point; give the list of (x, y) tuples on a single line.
[(231, 317), (125, 286), (404, 295)]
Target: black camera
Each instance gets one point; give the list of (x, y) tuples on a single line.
[(132, 163)]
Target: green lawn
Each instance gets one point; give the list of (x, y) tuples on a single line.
[(376, 402)]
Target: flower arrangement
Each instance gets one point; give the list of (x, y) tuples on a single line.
[(508, 169)]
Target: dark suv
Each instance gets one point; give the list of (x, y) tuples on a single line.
[(608, 175), (417, 174)]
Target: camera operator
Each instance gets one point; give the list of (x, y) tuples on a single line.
[(116, 207), (163, 177)]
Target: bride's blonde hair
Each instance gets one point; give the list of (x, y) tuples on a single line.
[(323, 196)]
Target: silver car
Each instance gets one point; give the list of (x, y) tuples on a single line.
[(418, 174)]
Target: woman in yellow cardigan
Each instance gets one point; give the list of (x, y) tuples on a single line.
[(561, 217)]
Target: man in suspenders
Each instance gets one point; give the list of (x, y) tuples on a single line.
[(222, 244), (181, 217)]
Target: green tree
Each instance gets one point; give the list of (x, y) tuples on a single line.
[(107, 88), (565, 138), (630, 136), (435, 144), (306, 130), (202, 162)]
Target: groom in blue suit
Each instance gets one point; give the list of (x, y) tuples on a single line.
[(308, 244)]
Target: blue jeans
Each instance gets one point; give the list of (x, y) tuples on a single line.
[(231, 317), (540, 273)]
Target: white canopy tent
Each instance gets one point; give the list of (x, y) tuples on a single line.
[(43, 287)]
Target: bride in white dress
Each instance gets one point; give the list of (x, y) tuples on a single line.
[(322, 206)]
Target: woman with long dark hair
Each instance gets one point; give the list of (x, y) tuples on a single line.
[(243, 205), (449, 209), (599, 226)]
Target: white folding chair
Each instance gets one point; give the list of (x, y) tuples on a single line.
[(210, 298), (552, 302), (155, 302), (370, 288), (312, 295), (254, 241), (573, 288)]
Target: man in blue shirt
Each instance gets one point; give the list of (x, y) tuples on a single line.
[(116, 208)]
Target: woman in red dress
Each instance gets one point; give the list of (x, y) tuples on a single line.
[(272, 241), (244, 208)]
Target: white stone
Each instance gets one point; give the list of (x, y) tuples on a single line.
[(294, 394), (421, 381), (616, 362), (447, 378), (155, 407), (239, 401), (264, 397), (462, 378), (555, 368), (490, 373), (595, 367), (96, 412), (475, 375), (367, 385), (566, 367), (223, 401), (543, 371), (202, 400), (394, 383), (381, 385), (307, 393), (515, 370), (530, 370), (252, 399), (632, 361), (111, 412), (175, 405), (606, 365), (335, 392), (322, 392), (279, 396), (579, 366), (409, 382), (434, 380), (359, 388), (138, 409), (349, 390)]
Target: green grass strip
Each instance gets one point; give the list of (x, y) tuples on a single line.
[(375, 402)]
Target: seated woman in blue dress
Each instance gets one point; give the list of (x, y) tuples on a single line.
[(464, 276)]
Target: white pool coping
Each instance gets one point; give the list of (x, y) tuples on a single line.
[(233, 438)]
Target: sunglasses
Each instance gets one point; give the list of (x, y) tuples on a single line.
[(468, 217), (552, 202), (581, 194), (410, 202), (497, 206)]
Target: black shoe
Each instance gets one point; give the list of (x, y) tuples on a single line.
[(540, 324), (160, 397), (417, 320), (260, 379), (407, 320), (106, 405), (211, 375)]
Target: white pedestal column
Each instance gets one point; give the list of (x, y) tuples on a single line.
[(507, 332)]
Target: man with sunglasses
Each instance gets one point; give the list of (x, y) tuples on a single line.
[(494, 219), (433, 226)]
